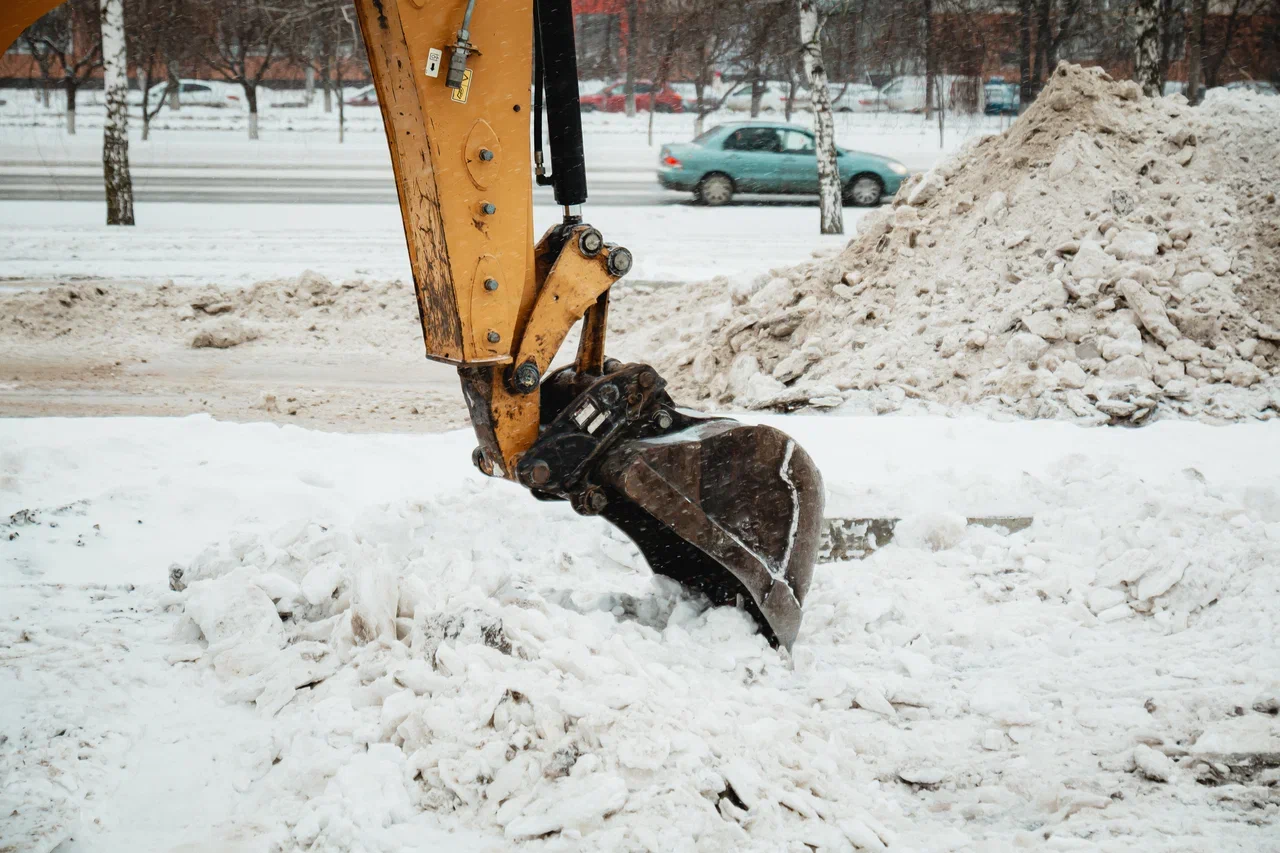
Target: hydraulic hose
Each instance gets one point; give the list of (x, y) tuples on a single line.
[(564, 118)]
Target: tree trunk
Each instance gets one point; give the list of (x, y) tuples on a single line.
[(1146, 46), (1195, 44), (757, 95), (251, 98), (700, 88), (342, 118), (174, 91), (144, 80), (830, 201), (1025, 91), (309, 83), (930, 73), (329, 76), (1044, 44), (115, 130), (629, 87), (70, 86), (44, 94)]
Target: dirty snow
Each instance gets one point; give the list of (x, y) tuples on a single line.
[(356, 642), (1107, 258)]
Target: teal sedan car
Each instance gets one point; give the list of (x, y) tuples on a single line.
[(757, 157)]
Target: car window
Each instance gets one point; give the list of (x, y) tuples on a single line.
[(643, 88), (795, 142), (753, 139), (194, 87), (703, 137)]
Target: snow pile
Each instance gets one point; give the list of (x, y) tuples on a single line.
[(1107, 257), (425, 659), (308, 310)]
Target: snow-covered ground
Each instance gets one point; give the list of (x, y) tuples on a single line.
[(244, 243), (1104, 680)]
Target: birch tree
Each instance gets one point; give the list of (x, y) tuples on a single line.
[(115, 130), (830, 202), (1146, 46)]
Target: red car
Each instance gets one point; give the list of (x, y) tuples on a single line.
[(614, 99)]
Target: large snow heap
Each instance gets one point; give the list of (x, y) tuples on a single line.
[(1107, 257)]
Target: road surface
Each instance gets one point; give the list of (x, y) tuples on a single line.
[(310, 183)]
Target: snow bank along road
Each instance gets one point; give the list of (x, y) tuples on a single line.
[(44, 242), (361, 657)]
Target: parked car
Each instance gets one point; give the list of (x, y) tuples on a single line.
[(773, 100), (366, 97), (907, 94), (1001, 98), (613, 99), (688, 93), (855, 98), (757, 157), (199, 93)]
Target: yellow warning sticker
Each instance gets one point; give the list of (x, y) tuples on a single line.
[(460, 94)]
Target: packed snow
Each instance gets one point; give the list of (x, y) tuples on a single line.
[(1107, 258), (219, 636), (302, 640)]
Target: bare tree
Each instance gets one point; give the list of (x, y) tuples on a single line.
[(39, 40), (1146, 46), (1026, 82), (157, 37), (760, 48), (115, 130), (71, 38), (1222, 34), (1195, 46), (633, 55), (830, 202), (240, 42), (707, 39)]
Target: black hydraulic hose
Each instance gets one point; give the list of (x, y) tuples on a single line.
[(540, 168), (564, 119)]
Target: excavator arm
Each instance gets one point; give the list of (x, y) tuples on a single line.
[(730, 510)]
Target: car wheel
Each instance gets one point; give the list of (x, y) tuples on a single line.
[(864, 190), (714, 190)]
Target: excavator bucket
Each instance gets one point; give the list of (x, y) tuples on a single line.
[(731, 510)]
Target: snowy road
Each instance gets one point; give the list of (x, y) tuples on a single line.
[(287, 183), (42, 242), (1060, 689)]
